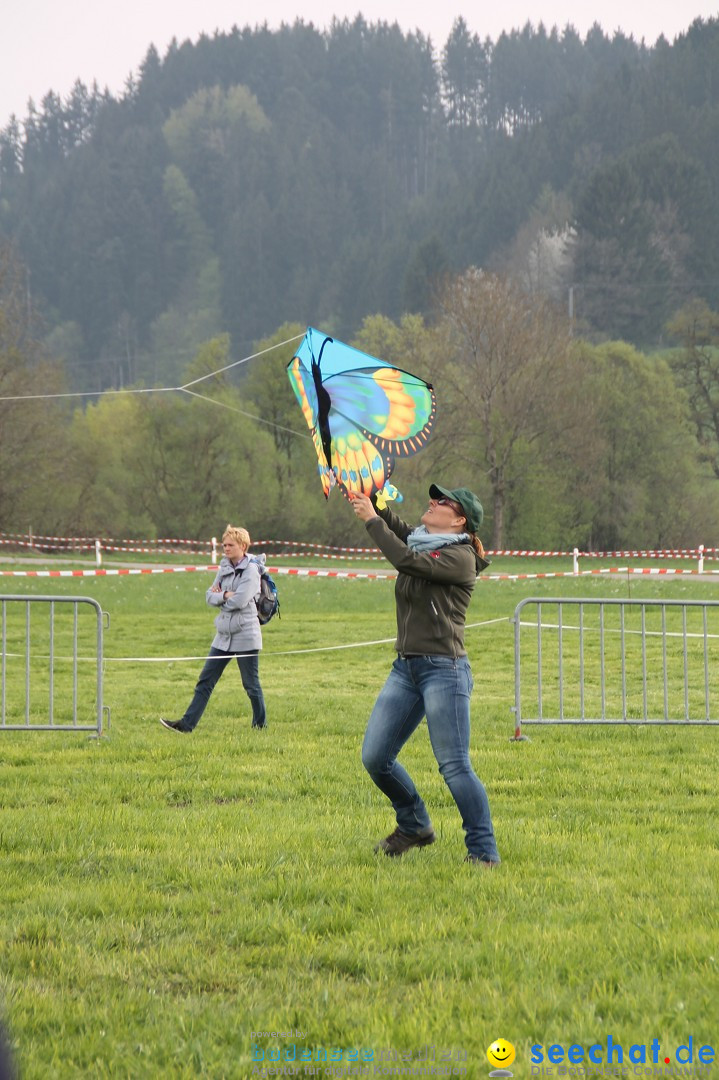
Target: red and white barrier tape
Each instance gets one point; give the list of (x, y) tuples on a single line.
[(7, 538), (307, 544), (654, 570), (295, 571), (668, 553), (167, 546), (323, 555), (658, 553), (161, 545), (527, 554), (152, 550), (41, 541), (298, 571)]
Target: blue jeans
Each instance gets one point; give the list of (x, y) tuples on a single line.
[(249, 666), (439, 688)]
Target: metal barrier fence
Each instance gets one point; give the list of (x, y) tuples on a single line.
[(616, 662), (46, 684)]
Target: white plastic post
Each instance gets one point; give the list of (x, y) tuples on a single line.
[(214, 549), (575, 561), (701, 559), (98, 553)]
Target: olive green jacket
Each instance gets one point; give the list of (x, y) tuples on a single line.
[(433, 589)]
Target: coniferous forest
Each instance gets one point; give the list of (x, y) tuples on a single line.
[(251, 183)]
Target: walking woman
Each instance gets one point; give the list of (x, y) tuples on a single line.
[(234, 591), (438, 564)]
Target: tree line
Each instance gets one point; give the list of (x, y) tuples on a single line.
[(566, 441), (260, 177)]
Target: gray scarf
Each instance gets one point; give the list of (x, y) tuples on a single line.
[(422, 540)]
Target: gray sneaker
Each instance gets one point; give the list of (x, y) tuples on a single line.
[(174, 725), (398, 842)]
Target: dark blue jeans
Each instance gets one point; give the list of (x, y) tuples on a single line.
[(439, 688), (249, 666)]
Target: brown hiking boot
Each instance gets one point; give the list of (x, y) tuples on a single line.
[(398, 842)]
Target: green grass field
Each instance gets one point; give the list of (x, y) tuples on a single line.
[(166, 897)]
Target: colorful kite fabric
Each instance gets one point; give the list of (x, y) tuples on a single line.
[(362, 413)]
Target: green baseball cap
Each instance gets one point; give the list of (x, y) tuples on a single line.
[(467, 500)]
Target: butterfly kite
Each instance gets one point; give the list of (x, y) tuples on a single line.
[(362, 413)]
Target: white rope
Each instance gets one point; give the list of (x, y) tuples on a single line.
[(282, 652), (614, 630), (488, 622)]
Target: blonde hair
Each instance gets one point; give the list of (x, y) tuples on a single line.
[(238, 534)]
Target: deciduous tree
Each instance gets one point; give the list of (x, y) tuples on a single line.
[(696, 369), (650, 493), (32, 423), (506, 376)]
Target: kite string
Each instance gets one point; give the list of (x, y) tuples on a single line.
[(89, 393), (242, 412), (150, 389), (236, 363)]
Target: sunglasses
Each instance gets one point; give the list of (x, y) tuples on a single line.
[(452, 505)]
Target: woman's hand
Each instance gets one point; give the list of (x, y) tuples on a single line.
[(362, 506), (226, 594)]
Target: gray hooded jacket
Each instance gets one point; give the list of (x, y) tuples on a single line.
[(237, 625)]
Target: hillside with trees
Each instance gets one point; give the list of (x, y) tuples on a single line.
[(259, 177), (250, 183)]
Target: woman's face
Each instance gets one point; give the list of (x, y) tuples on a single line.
[(233, 550), (444, 516)]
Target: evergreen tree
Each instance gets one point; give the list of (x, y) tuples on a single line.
[(321, 166)]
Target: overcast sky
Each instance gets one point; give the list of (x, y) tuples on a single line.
[(48, 44)]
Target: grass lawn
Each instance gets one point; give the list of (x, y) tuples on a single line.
[(166, 897)]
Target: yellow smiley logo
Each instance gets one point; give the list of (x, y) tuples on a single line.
[(500, 1054)]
